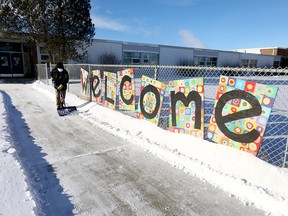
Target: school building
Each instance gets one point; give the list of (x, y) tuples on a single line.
[(18, 59)]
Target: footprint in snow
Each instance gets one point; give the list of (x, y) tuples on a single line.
[(11, 150)]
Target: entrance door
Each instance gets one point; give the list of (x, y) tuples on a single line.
[(11, 64), (5, 66), (17, 63)]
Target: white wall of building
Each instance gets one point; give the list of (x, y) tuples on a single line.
[(228, 59), (98, 48), (172, 55), (262, 60), (265, 61)]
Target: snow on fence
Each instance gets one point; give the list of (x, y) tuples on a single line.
[(274, 146)]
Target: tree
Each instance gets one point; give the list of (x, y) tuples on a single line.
[(109, 58), (186, 70), (62, 27), (185, 62)]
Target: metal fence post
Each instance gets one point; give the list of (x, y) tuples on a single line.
[(285, 154), (46, 68), (156, 73), (68, 86), (90, 81)]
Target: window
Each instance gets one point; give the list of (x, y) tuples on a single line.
[(44, 59), (150, 58), (140, 58), (205, 61), (252, 63), (16, 47), (131, 57), (244, 62), (276, 64), (199, 60), (4, 60), (248, 63), (42, 51), (211, 61), (16, 60)]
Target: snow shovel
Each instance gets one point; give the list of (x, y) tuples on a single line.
[(65, 110)]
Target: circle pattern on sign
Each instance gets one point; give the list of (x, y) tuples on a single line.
[(270, 92), (252, 146), (266, 101), (231, 82)]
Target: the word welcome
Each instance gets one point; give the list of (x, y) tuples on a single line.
[(192, 100)]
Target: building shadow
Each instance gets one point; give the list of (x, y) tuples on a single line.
[(40, 175)]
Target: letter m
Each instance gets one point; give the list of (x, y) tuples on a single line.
[(192, 96)]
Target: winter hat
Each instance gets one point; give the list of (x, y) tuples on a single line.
[(60, 65)]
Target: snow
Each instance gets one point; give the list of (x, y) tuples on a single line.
[(13, 187), (240, 174)]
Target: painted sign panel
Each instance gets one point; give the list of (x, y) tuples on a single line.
[(96, 86), (85, 87), (110, 90), (241, 112), (151, 98), (186, 113), (126, 89)]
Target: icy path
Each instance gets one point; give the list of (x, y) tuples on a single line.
[(74, 167)]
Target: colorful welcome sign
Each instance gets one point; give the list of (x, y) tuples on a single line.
[(110, 90), (151, 98), (96, 86), (126, 89), (84, 79), (121, 83), (186, 113), (241, 110)]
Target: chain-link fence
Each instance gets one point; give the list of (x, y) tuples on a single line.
[(274, 146)]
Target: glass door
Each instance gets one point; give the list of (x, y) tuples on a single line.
[(17, 63), (5, 65), (11, 64)]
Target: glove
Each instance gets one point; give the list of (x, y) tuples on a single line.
[(60, 87)]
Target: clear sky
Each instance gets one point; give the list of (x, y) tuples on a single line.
[(211, 24)]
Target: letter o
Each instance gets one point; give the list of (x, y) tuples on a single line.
[(153, 89)]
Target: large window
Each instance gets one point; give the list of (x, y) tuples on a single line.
[(15, 47), (199, 61), (150, 58), (131, 57), (44, 57), (251, 63), (205, 61), (211, 61), (140, 58), (4, 60)]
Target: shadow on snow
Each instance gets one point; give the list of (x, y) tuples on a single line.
[(40, 176)]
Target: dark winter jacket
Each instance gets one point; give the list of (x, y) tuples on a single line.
[(59, 78)]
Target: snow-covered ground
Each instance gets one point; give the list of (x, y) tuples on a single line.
[(240, 174), (15, 198)]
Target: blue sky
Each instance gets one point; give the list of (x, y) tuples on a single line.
[(211, 24)]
